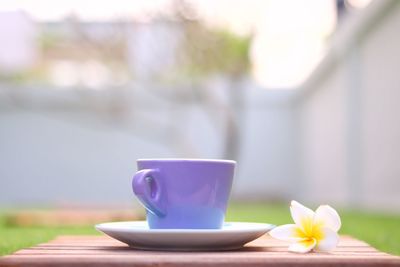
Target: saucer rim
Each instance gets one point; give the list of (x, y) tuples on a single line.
[(257, 227)]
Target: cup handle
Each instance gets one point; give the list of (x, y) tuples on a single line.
[(147, 188)]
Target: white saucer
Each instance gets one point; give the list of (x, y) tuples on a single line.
[(137, 234)]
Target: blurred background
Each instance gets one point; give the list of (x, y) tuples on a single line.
[(304, 95)]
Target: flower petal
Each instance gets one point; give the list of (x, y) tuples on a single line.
[(302, 216), (329, 241), (303, 246), (287, 232), (326, 216)]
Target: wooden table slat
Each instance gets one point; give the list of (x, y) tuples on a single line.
[(265, 251)]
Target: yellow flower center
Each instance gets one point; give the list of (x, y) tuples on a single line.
[(310, 230)]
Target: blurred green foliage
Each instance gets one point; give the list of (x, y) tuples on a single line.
[(207, 51)]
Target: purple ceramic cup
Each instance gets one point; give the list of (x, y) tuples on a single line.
[(184, 193)]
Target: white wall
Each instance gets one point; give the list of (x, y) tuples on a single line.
[(350, 114), (79, 147), (380, 112), (267, 162), (322, 115)]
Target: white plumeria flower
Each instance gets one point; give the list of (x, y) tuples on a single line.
[(312, 230)]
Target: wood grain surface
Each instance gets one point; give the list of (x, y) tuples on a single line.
[(265, 251)]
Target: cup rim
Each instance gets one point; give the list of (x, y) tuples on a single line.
[(188, 160)]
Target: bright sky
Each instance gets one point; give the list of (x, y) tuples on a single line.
[(289, 35)]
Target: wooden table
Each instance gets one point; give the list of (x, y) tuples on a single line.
[(103, 251)]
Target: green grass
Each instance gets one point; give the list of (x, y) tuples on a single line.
[(15, 238), (380, 230)]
